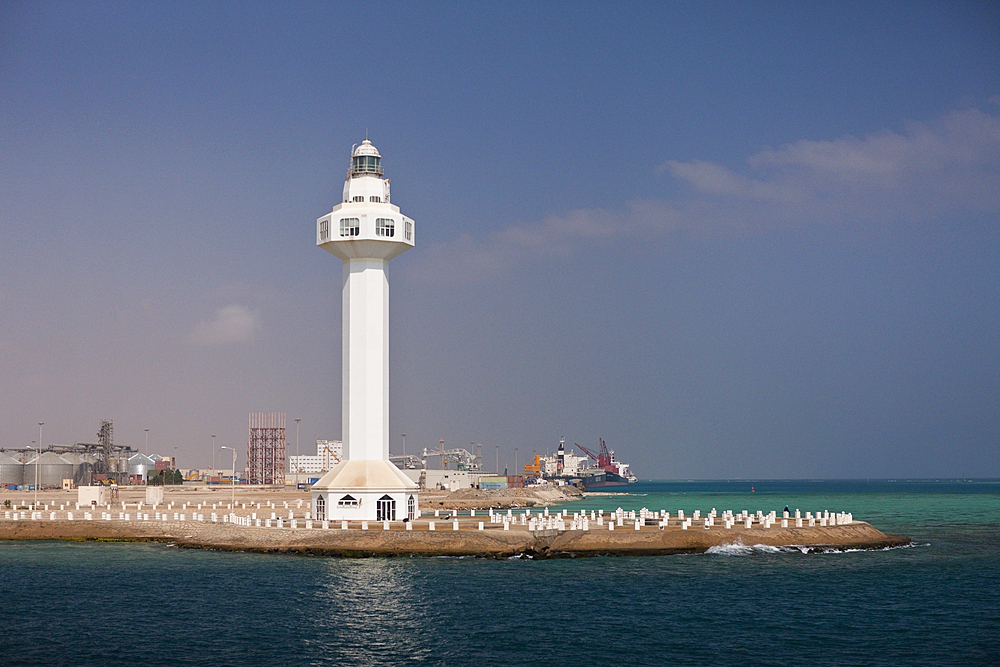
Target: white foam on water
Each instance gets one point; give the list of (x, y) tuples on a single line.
[(737, 548)]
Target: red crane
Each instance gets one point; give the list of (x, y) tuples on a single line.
[(603, 458), (586, 451)]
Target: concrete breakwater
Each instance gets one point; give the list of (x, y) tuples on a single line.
[(436, 536)]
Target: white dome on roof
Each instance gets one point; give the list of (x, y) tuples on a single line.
[(366, 148)]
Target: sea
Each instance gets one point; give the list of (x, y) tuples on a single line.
[(936, 602)]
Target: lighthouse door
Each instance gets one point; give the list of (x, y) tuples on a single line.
[(385, 509)]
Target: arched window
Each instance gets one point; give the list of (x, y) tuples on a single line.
[(320, 508), (411, 508), (385, 509)]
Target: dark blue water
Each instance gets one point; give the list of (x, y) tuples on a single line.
[(937, 603)]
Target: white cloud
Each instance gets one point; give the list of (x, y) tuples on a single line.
[(929, 169), (232, 324)]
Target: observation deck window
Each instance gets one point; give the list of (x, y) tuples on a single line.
[(350, 226), (324, 230), (408, 231), (385, 227)]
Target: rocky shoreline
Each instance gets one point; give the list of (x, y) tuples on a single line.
[(494, 540), (491, 542)]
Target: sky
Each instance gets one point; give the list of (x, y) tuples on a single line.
[(734, 240)]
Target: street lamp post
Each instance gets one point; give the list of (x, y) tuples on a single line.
[(498, 459), (213, 452), (40, 424), (234, 474), (33, 448), (404, 450), (298, 461), (515, 462)]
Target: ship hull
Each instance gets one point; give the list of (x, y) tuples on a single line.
[(602, 480)]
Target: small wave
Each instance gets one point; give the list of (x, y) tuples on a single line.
[(853, 550), (737, 548)]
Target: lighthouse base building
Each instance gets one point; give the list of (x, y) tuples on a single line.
[(365, 231), (365, 491)]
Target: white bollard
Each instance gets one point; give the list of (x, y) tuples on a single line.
[(454, 524), (430, 525), (364, 525), (611, 525), (385, 525), (481, 525), (409, 525), (343, 525)]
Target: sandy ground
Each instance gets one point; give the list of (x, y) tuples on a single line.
[(492, 541)]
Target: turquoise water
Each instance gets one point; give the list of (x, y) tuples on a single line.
[(932, 604)]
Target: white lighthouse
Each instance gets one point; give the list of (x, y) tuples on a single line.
[(365, 230)]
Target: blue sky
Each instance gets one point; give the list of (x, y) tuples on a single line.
[(732, 239)]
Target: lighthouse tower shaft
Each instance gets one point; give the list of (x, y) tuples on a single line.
[(366, 359), (365, 231)]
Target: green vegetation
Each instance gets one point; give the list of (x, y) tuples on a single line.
[(162, 477)]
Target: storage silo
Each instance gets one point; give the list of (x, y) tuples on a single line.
[(52, 470), (83, 468), (140, 464), (11, 471)]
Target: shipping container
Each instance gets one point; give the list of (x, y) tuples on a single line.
[(493, 483)]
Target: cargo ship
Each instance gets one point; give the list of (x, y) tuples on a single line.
[(591, 471)]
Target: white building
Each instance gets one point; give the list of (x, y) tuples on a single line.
[(562, 463), (328, 454), (365, 231)]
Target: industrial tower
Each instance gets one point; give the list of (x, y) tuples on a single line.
[(365, 231), (266, 448)]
